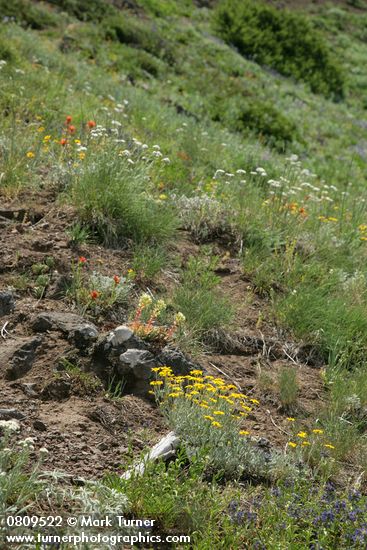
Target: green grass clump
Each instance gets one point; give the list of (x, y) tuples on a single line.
[(113, 199), (85, 10), (27, 14), (259, 116), (283, 40), (199, 300), (288, 387)]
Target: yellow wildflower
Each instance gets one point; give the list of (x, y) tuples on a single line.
[(292, 444), (244, 432), (207, 417), (291, 419), (30, 154), (216, 424), (218, 413), (302, 434), (145, 300), (329, 446), (156, 383), (179, 318), (318, 431)]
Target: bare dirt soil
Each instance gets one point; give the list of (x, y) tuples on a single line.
[(86, 431)]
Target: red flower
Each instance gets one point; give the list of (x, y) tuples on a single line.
[(91, 124), (94, 294), (63, 141), (71, 129), (82, 260), (116, 278), (68, 119)]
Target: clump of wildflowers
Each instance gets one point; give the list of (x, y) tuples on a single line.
[(148, 313), (208, 414), (94, 291)]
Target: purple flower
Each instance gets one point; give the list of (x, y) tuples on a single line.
[(276, 492)]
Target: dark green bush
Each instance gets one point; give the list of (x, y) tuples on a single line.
[(283, 40), (259, 115), (86, 10), (139, 34), (26, 13)]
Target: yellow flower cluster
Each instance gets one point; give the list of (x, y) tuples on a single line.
[(327, 219), (303, 438), (363, 231), (218, 399)]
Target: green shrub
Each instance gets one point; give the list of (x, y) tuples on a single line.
[(85, 10), (148, 261), (113, 199), (199, 300), (27, 13), (139, 34), (283, 40), (266, 120), (288, 387), (243, 113), (319, 311), (179, 500)]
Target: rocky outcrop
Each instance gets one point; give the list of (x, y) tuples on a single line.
[(124, 357), (76, 329)]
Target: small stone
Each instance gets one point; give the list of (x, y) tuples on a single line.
[(74, 327), (29, 389), (8, 414), (40, 426), (83, 335), (179, 363), (58, 389), (7, 302), (23, 358), (137, 363), (119, 335)]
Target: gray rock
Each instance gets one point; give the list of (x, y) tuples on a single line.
[(57, 389), (119, 336), (22, 358), (8, 414), (74, 327), (137, 363), (175, 359), (83, 335), (30, 389), (7, 302), (165, 449), (39, 426)]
